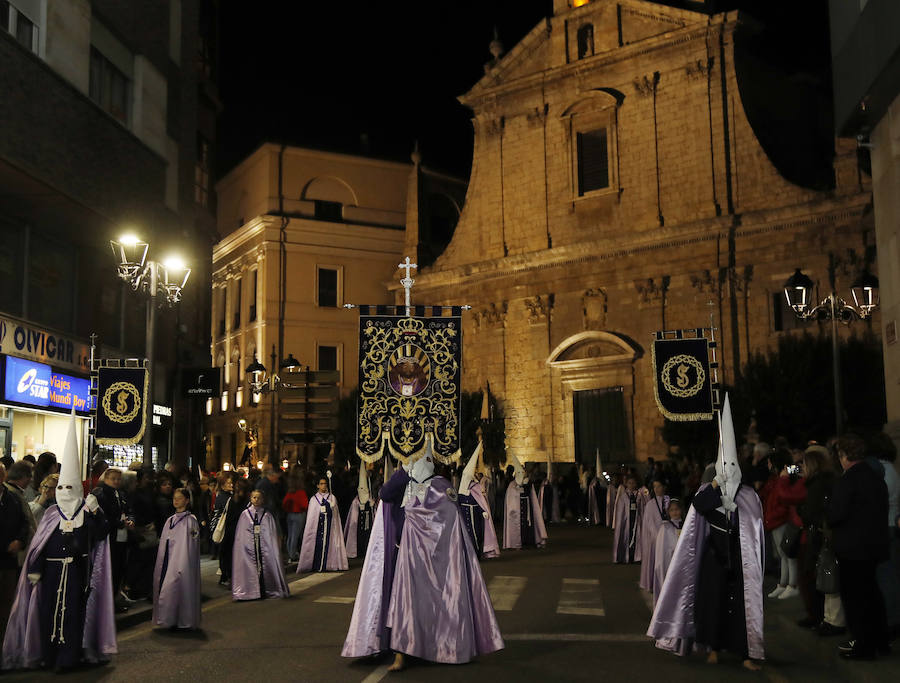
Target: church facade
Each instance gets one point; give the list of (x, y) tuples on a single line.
[(619, 187)]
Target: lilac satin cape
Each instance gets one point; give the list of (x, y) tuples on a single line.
[(22, 644), (620, 523), (439, 608), (336, 560), (594, 502), (651, 520), (368, 633), (244, 578), (512, 533), (666, 540), (350, 530), (177, 601), (673, 624), (491, 545)]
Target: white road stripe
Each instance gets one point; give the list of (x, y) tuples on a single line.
[(336, 600), (581, 597), (377, 675), (579, 637), (505, 591), (307, 582)]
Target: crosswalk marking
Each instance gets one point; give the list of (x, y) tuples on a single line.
[(306, 582), (336, 600), (505, 591), (582, 597)]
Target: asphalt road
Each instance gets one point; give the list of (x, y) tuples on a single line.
[(566, 613)]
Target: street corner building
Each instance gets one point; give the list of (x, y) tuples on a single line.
[(637, 167)]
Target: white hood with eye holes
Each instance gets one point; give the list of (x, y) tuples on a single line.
[(69, 495)]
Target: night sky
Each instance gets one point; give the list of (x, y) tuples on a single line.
[(321, 74)]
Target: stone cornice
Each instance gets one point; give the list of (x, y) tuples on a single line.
[(607, 249)]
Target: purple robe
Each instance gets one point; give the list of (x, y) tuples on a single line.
[(176, 577), (439, 608), (653, 516), (593, 496), (491, 545), (352, 528), (664, 548), (23, 641), (368, 633), (336, 555), (512, 531), (673, 624), (256, 558), (625, 536)]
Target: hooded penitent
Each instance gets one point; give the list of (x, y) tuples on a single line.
[(358, 526), (476, 511), (63, 611)]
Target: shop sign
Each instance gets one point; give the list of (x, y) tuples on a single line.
[(36, 384), (23, 340), (162, 416)]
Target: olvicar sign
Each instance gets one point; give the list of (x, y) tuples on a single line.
[(24, 340)]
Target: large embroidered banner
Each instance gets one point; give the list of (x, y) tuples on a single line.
[(121, 405), (682, 383), (409, 393)]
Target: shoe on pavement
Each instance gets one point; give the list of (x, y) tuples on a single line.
[(825, 630), (789, 592), (779, 589), (847, 646)]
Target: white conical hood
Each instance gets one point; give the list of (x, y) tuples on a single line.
[(468, 474), (728, 471), (599, 466), (362, 489), (68, 491), (518, 469)]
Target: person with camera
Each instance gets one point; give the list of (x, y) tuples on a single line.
[(856, 514), (780, 495)]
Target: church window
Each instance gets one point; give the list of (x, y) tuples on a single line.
[(327, 287), (593, 161), (329, 211), (585, 40), (328, 358)]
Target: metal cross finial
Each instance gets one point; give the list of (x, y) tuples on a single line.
[(407, 281)]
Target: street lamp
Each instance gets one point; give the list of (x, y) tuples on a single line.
[(167, 279), (261, 382), (798, 292)]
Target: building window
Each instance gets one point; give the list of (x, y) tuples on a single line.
[(201, 172), (223, 301), (328, 358), (253, 291), (109, 87), (18, 24), (329, 211), (593, 161), (783, 317), (4, 15), (237, 306), (585, 39), (327, 288)]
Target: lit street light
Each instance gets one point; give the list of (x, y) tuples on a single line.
[(167, 279), (261, 382), (798, 291)]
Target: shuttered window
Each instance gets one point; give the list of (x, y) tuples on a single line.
[(593, 161)]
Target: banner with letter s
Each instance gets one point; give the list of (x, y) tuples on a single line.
[(682, 383), (121, 405)]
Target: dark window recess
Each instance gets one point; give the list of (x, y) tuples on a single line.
[(109, 87), (585, 40), (328, 358), (329, 211), (237, 306), (224, 301), (328, 288), (25, 31), (201, 172), (4, 15), (252, 312), (12, 267), (593, 161), (783, 317)]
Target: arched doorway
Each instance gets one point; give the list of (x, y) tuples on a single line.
[(592, 375)]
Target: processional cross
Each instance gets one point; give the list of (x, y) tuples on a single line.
[(407, 281)]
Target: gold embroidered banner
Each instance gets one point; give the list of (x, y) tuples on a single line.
[(409, 393)]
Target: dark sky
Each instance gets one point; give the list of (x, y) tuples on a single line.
[(321, 73)]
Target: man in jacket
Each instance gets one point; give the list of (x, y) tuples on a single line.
[(856, 514), (14, 535)]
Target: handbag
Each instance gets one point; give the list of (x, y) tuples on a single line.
[(827, 568), (790, 542), (219, 531)]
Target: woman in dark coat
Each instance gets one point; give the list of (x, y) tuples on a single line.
[(239, 500), (819, 482)]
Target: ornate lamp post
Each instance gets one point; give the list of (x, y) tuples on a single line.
[(798, 291), (261, 382), (166, 280)]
